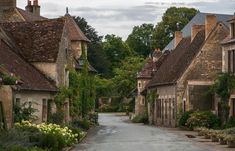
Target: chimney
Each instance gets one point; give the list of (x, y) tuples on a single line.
[(6, 4), (156, 54), (210, 23), (33, 7), (178, 37), (195, 30)]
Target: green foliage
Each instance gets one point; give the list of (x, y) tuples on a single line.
[(152, 96), (50, 136), (174, 19), (20, 148), (108, 108), (83, 124), (230, 123), (24, 111), (8, 80), (140, 119), (87, 91), (203, 119), (124, 80), (96, 54), (140, 39), (115, 49), (223, 87), (56, 118), (103, 87), (184, 118)]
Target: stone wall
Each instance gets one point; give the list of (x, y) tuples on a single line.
[(204, 69), (36, 98), (6, 99), (48, 69), (5, 4)]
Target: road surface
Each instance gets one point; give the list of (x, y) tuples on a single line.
[(116, 134)]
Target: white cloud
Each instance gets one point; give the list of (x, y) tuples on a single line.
[(119, 16)]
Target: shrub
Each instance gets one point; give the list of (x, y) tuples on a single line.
[(184, 118), (140, 119), (83, 124), (20, 148), (230, 123), (93, 117), (203, 119), (51, 136), (56, 118), (108, 108)]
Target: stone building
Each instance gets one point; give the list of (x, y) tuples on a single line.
[(144, 76), (44, 50), (184, 77), (228, 64)]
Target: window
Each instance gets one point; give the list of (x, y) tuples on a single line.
[(17, 103), (232, 30), (233, 107), (143, 101), (173, 108), (184, 105), (231, 61), (44, 110), (139, 84)]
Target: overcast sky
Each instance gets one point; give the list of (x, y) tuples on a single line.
[(119, 16)]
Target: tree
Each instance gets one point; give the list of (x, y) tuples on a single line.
[(140, 39), (86, 88), (223, 87), (174, 19), (124, 80), (96, 55), (115, 49)]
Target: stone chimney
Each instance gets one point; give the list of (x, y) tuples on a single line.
[(33, 7), (210, 23), (178, 37), (6, 4), (156, 54), (195, 30)]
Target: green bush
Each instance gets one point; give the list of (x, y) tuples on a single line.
[(184, 118), (203, 119), (20, 148), (56, 118), (230, 123), (83, 124), (108, 108), (140, 119), (93, 117)]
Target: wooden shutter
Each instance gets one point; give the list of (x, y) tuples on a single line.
[(229, 61)]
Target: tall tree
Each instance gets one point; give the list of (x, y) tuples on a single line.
[(140, 39), (96, 54), (115, 49), (174, 19), (124, 80)]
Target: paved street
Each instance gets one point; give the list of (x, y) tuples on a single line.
[(116, 134)]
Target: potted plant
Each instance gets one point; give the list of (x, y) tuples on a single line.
[(214, 135), (230, 140), (221, 137)]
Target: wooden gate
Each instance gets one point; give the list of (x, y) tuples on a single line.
[(2, 118)]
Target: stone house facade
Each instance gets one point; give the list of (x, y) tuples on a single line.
[(44, 50), (228, 64), (188, 72)]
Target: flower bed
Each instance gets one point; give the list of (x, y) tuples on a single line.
[(46, 136)]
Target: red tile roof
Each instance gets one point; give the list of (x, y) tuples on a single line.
[(178, 61), (75, 33), (30, 77), (38, 41), (29, 16)]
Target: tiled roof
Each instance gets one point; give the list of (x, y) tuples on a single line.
[(38, 41), (75, 32), (198, 19), (151, 67), (31, 78), (147, 70), (178, 60), (79, 65), (18, 15), (29, 16)]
